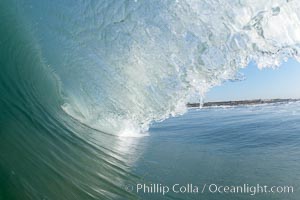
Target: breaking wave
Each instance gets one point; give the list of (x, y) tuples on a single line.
[(76, 75), (122, 64)]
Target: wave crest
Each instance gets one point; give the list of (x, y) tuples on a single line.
[(135, 62)]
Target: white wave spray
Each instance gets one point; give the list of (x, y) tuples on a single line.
[(126, 63)]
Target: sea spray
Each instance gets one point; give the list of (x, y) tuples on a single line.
[(133, 62)]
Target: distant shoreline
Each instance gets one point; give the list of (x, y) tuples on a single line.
[(241, 102)]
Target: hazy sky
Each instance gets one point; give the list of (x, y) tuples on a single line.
[(282, 82)]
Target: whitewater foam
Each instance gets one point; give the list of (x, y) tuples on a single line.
[(140, 61)]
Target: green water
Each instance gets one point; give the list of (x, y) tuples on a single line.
[(46, 153)]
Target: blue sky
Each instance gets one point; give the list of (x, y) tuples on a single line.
[(282, 82)]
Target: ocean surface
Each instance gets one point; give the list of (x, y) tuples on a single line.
[(93, 98), (223, 146)]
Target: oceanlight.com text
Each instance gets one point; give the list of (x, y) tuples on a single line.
[(189, 188)]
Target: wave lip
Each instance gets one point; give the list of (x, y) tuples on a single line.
[(142, 61)]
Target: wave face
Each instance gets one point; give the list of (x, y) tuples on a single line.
[(126, 63), (115, 66)]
